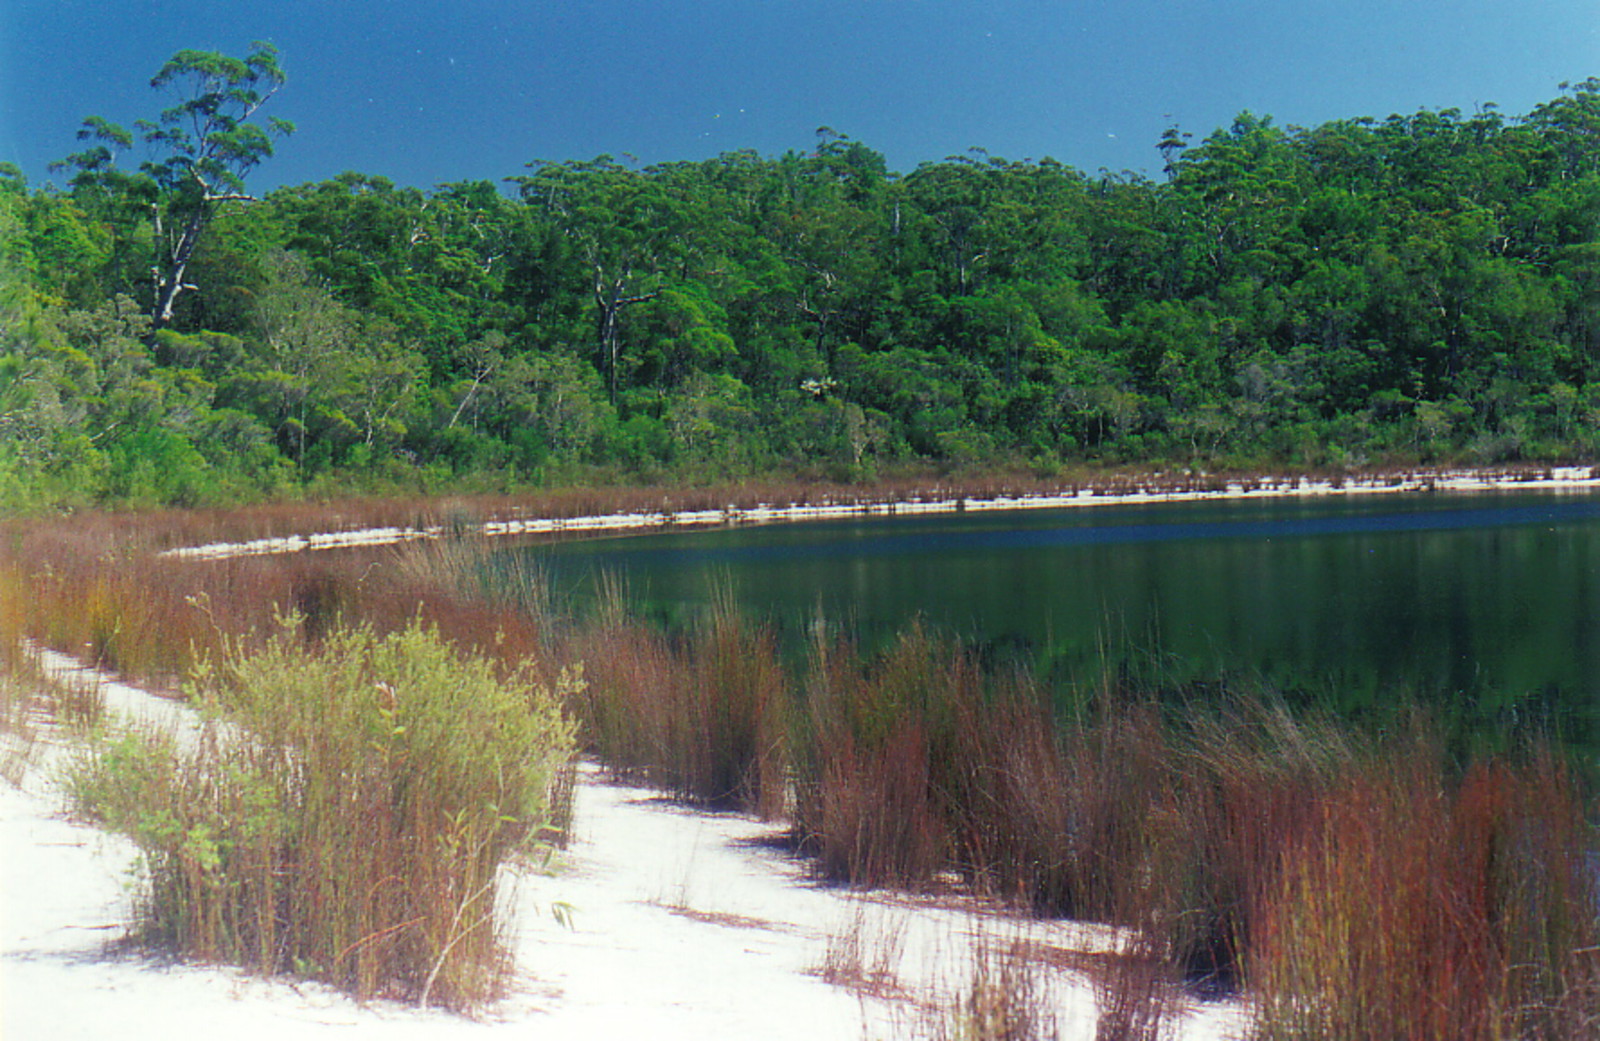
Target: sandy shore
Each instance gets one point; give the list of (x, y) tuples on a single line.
[(1156, 489), (683, 924)]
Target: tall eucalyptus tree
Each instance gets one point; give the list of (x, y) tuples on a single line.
[(201, 149)]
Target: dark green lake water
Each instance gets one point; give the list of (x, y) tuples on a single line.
[(1489, 603)]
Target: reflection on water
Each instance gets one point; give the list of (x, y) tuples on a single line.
[(1488, 603)]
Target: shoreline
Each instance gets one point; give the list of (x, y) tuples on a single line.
[(1154, 488), (722, 933), (667, 897)]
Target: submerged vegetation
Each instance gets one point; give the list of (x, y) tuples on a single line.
[(1346, 877)]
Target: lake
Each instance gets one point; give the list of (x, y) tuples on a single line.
[(1486, 603)]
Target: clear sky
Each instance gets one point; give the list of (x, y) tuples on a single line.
[(425, 92)]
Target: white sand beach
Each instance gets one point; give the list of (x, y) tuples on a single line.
[(679, 924)]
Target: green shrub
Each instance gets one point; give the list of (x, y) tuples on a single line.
[(343, 812)]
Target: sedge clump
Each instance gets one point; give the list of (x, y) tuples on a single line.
[(343, 811)]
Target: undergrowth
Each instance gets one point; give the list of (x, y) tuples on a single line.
[(1348, 877), (344, 811)]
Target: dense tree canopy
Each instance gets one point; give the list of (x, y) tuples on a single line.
[(1411, 289)]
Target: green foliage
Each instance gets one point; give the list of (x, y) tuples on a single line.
[(1417, 289), (344, 811), (202, 147)]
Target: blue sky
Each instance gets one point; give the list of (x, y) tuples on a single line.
[(426, 92)]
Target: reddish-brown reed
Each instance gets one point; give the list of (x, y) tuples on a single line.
[(702, 715), (1234, 837), (876, 760), (1423, 906)]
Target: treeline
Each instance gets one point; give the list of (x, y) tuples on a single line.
[(1421, 288)]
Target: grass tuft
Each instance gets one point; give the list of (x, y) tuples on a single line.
[(344, 812), (1006, 998)]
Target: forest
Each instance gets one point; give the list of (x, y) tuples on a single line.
[(1406, 290), (1370, 293)]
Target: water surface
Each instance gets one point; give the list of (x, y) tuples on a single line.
[(1489, 601)]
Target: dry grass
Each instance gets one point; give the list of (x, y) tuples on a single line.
[(1420, 906), (1135, 992), (1007, 997), (19, 737), (864, 953), (1239, 843)]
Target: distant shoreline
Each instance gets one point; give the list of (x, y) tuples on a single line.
[(1154, 488)]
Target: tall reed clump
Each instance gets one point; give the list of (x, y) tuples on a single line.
[(12, 703), (117, 605), (624, 712), (1364, 888), (729, 737), (701, 716), (13, 621), (344, 811), (1104, 815), (1239, 775), (1416, 906), (879, 773), (103, 595)]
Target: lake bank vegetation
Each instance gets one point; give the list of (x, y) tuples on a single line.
[(578, 338), (343, 811), (1367, 292), (1347, 876)]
